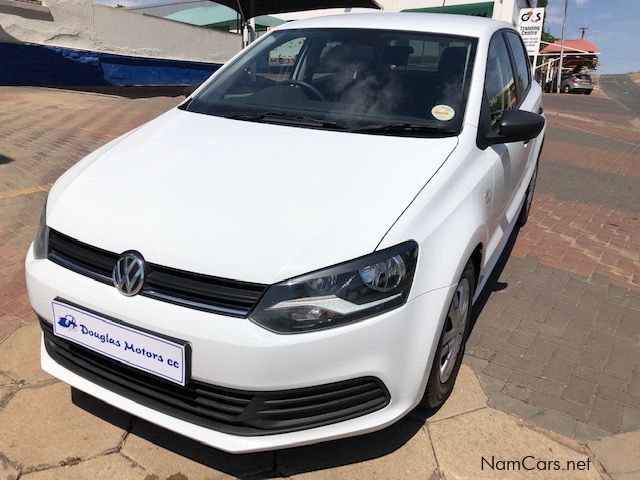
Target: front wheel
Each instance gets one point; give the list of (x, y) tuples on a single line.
[(448, 357)]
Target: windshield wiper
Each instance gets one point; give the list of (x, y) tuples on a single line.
[(405, 128), (286, 119)]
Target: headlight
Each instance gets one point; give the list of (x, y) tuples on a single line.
[(40, 243), (342, 294)]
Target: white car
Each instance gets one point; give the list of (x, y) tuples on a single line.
[(291, 255)]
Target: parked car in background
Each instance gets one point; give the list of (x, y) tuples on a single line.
[(572, 83), (292, 254)]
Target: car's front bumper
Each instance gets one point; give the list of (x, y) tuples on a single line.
[(396, 348)]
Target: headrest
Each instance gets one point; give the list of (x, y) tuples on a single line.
[(396, 55), (452, 61), (352, 53)]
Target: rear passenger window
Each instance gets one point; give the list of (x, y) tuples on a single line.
[(499, 82), (521, 60)]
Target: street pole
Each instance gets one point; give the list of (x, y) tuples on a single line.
[(564, 26)]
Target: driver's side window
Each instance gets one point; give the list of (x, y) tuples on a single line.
[(270, 68), (500, 84), (280, 61)]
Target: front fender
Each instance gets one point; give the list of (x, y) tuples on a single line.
[(448, 218)]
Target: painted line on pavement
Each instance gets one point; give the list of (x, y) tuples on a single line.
[(25, 191)]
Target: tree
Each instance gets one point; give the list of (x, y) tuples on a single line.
[(547, 37)]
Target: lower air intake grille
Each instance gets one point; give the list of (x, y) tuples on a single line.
[(230, 411)]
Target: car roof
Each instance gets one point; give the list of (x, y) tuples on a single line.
[(464, 25)]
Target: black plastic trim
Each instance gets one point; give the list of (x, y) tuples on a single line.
[(236, 412), (193, 290)]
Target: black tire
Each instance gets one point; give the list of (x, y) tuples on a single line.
[(438, 391), (588, 92), (528, 199), (566, 89)]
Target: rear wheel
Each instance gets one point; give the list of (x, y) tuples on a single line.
[(526, 207), (446, 362), (566, 89), (588, 92)]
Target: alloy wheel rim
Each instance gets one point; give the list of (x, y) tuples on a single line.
[(454, 328)]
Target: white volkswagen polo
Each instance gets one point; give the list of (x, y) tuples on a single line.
[(291, 255)]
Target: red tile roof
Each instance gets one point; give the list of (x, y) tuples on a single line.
[(571, 46)]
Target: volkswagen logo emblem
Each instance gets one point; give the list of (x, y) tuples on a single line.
[(128, 274)]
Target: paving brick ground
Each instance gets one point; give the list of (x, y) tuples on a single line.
[(556, 340)]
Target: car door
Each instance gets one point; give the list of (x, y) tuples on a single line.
[(529, 100), (507, 86)]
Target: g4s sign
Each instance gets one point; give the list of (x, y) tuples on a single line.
[(531, 16), (530, 26)]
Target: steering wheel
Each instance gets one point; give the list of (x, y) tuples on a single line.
[(307, 87)]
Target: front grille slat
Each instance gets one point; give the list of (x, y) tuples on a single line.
[(328, 417), (192, 290), (310, 410), (162, 282), (246, 413), (324, 396)]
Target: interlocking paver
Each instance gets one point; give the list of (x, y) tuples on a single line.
[(414, 459), (20, 357), (461, 443), (107, 467), (619, 453), (562, 321), (171, 456), (7, 471), (41, 427)]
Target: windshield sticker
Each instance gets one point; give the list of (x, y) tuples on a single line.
[(443, 112)]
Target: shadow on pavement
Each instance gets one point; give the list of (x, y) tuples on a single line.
[(493, 285), (4, 159), (129, 92), (291, 461)]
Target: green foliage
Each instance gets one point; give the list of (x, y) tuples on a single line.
[(547, 37)]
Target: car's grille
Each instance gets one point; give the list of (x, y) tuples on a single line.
[(231, 411), (202, 292)]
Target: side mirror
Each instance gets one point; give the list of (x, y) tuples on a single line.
[(516, 126), (189, 89)]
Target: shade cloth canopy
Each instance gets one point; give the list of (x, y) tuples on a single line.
[(253, 8), (218, 16), (482, 9)]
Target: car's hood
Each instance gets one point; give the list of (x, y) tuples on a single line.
[(242, 200)]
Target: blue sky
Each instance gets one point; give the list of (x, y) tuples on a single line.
[(614, 27)]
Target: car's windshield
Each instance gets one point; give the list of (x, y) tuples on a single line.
[(366, 81)]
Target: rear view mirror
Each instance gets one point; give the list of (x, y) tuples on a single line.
[(516, 126)]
